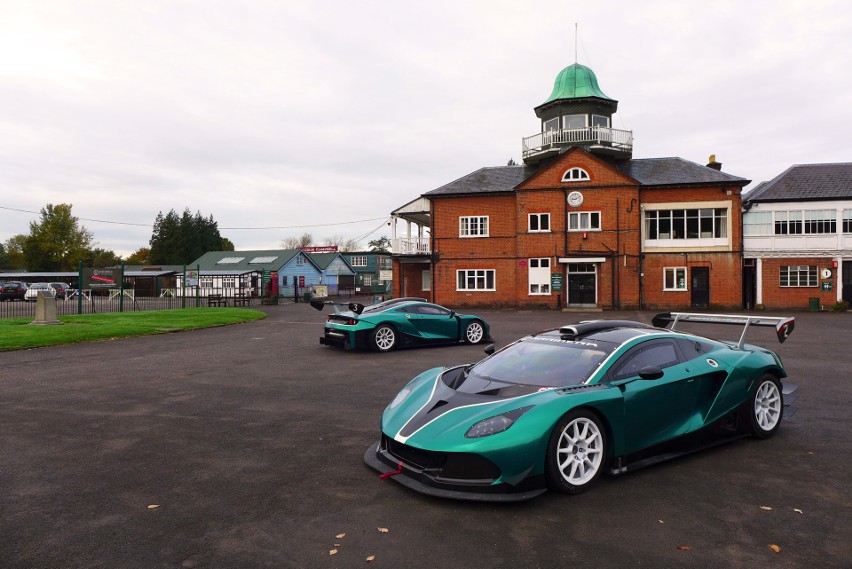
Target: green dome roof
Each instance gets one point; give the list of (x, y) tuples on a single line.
[(574, 82)]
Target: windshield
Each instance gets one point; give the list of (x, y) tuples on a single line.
[(544, 362)]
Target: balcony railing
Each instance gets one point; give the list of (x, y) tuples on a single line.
[(618, 140), (411, 246)]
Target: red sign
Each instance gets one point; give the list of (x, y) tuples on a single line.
[(301, 282), (325, 249)]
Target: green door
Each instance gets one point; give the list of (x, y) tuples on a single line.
[(655, 410)]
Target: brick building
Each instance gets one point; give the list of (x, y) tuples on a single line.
[(798, 238), (581, 224)]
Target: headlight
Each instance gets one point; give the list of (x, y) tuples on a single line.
[(496, 424), (400, 397)]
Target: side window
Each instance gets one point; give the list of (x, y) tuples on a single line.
[(659, 353), (693, 348), (432, 310)]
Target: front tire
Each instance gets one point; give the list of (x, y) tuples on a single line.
[(576, 453), (383, 338), (767, 407), (474, 332)]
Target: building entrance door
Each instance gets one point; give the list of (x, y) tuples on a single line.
[(700, 286), (847, 280), (582, 284)]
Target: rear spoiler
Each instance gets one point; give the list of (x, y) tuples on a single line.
[(783, 325), (355, 307)]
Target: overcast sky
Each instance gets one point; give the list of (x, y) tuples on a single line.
[(276, 117)]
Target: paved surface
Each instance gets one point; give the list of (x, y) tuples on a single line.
[(250, 440)]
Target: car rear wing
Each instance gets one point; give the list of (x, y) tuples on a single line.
[(783, 325), (355, 307)]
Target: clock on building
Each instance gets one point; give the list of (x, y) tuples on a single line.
[(575, 199)]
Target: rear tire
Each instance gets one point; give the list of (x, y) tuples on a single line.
[(383, 338), (576, 452), (767, 407)]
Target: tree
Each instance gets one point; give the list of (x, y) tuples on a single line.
[(342, 243), (56, 242), (511, 162), (380, 245), (139, 257), (98, 257), (179, 240), (306, 240), (15, 252), (227, 245)]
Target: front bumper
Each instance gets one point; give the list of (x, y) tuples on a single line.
[(437, 475)]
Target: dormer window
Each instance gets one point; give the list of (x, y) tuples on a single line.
[(575, 175)]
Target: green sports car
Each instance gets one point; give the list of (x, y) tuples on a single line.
[(554, 410), (399, 322)]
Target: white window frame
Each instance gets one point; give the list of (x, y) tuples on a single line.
[(358, 260), (567, 118), (575, 174), (466, 228), (229, 282), (539, 276), (464, 276), (678, 278), (605, 121), (538, 217), (426, 280), (549, 125), (367, 279), (757, 223), (807, 273), (846, 224), (583, 221)]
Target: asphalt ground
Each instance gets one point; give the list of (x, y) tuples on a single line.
[(249, 440)]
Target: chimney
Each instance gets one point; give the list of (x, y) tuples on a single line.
[(713, 164)]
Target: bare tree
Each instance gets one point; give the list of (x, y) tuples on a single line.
[(306, 240), (343, 244)]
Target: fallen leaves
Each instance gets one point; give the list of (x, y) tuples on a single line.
[(383, 530), (775, 548), (153, 506), (684, 547), (767, 508), (338, 546)]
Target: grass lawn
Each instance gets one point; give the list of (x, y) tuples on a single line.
[(16, 333)]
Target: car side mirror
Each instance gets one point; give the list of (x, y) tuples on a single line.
[(651, 372), (489, 349)]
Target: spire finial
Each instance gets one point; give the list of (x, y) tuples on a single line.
[(575, 42)]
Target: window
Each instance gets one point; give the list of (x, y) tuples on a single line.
[(205, 282), (368, 280), (284, 280), (757, 223), (788, 223), (820, 222), (300, 259), (674, 278), (574, 121), (799, 276), (584, 221), (600, 120), (475, 279), (705, 223), (847, 221), (262, 260), (539, 222), (575, 175), (426, 279), (229, 260), (229, 282), (657, 353), (358, 260), (473, 226), (552, 124), (539, 276)]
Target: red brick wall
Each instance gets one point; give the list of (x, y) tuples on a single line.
[(775, 297), (725, 280)]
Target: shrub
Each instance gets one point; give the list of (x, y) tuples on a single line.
[(841, 306)]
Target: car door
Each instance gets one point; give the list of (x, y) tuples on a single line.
[(435, 322), (655, 410)]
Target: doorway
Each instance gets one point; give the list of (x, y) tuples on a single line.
[(582, 284), (700, 287)]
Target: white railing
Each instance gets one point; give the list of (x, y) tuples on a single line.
[(618, 139), (411, 246)]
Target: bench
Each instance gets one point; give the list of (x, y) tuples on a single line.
[(242, 299), (216, 300)]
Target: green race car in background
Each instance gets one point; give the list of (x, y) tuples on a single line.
[(399, 322), (554, 410)]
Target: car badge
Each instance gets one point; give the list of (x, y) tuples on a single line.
[(712, 362)]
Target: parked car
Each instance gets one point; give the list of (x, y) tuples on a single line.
[(62, 289), (12, 290), (399, 322), (556, 409), (32, 292)]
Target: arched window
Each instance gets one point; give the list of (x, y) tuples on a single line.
[(575, 175)]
